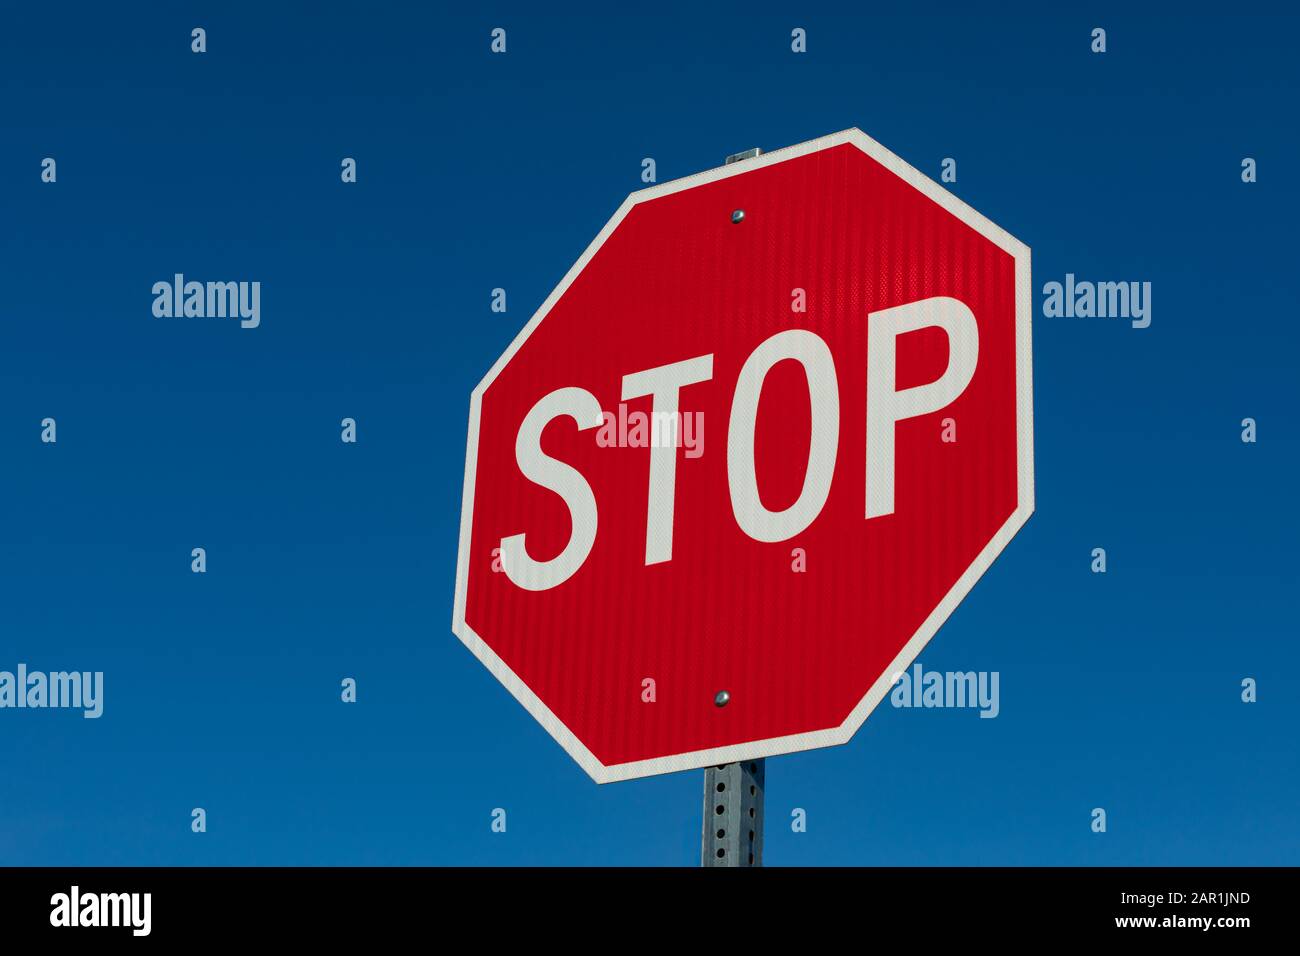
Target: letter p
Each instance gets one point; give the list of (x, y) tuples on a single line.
[(886, 406)]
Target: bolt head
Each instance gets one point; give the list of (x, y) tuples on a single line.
[(721, 698), (738, 216)]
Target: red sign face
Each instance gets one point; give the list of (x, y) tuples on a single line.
[(747, 458)]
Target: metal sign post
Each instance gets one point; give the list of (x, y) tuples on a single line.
[(733, 793), (733, 815)]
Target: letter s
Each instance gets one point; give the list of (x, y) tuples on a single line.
[(563, 479)]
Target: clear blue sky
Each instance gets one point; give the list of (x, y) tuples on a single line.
[(476, 171)]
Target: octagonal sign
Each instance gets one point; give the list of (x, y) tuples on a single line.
[(746, 459)]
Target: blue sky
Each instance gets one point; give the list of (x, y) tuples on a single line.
[(475, 171)]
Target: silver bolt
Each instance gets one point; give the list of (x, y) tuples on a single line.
[(738, 216), (721, 698)]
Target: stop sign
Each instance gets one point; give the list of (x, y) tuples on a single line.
[(746, 459)]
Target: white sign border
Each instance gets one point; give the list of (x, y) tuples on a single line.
[(772, 746)]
